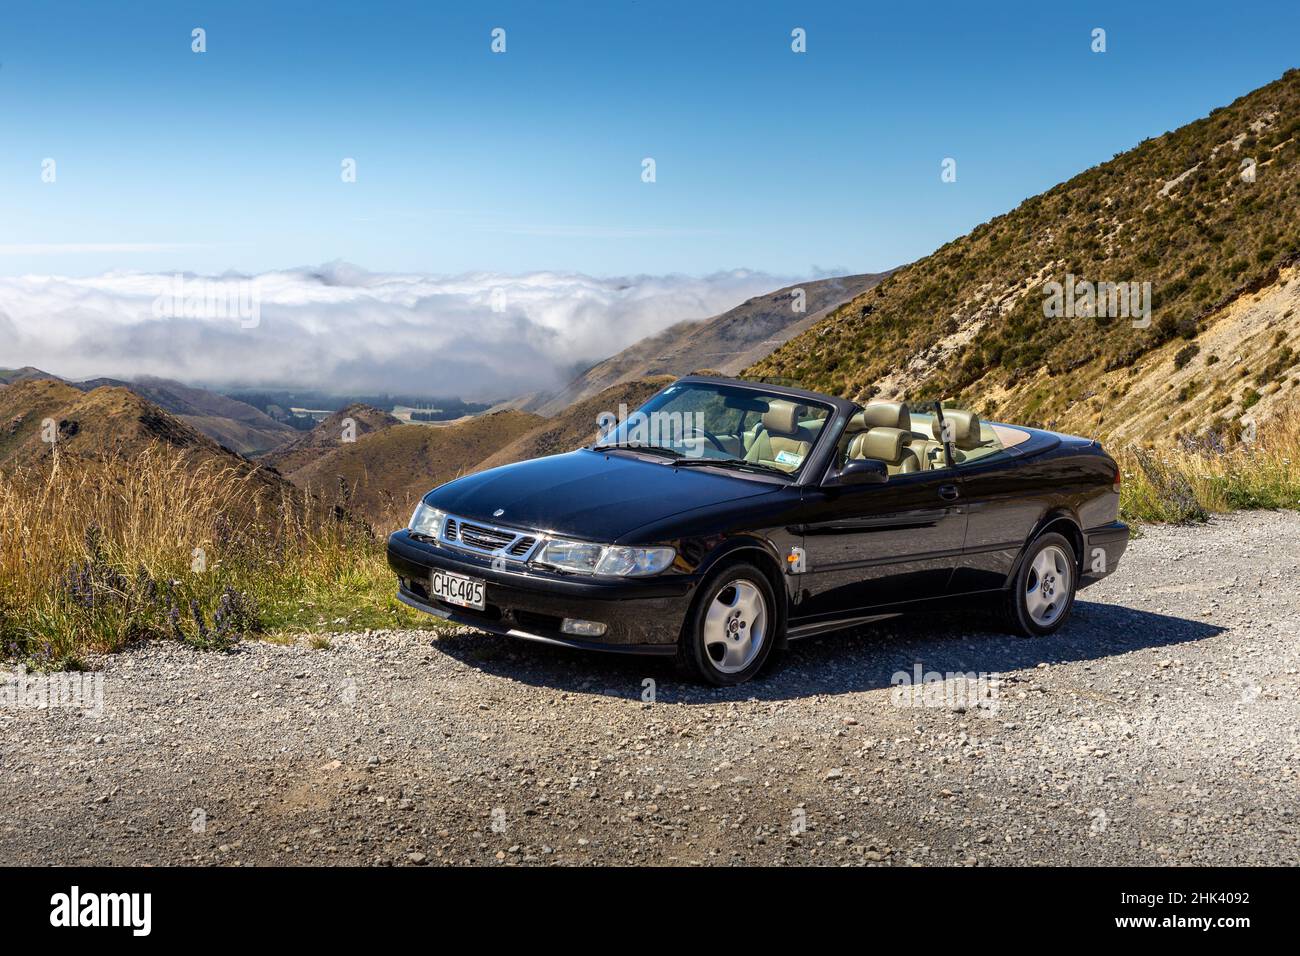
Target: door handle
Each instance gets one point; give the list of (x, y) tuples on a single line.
[(949, 492)]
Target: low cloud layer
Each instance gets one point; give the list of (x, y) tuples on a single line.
[(479, 336)]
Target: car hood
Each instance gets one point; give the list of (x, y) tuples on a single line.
[(589, 494)]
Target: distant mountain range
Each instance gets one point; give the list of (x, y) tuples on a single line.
[(233, 423), (353, 422)]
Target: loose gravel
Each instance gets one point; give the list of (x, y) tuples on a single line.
[(1161, 726)]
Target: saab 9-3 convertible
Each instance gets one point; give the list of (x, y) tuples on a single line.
[(725, 518)]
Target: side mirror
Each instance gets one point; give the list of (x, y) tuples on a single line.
[(859, 471)]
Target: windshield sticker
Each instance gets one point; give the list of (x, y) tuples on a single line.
[(788, 458)]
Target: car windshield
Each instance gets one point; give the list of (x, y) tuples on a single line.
[(730, 426)]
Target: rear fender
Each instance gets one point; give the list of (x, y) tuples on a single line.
[(1061, 520)]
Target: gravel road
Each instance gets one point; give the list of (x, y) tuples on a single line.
[(1161, 726)]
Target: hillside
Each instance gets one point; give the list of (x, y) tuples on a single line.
[(391, 464), (38, 414), (25, 406), (576, 425), (727, 342), (132, 525), (106, 423), (1216, 240), (235, 424), (310, 447), (386, 470), (9, 376)]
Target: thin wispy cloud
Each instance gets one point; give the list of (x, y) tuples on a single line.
[(595, 232), (75, 248)]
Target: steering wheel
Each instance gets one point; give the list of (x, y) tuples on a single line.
[(716, 442)]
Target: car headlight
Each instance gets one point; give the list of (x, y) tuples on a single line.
[(580, 556), (634, 562), (613, 560), (427, 521)]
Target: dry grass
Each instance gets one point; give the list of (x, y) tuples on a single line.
[(1191, 480), (95, 554)]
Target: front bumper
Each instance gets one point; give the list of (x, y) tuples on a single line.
[(1103, 547), (641, 615)]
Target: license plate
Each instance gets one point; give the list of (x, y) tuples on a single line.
[(455, 589)]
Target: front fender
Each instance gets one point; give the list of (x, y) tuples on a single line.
[(769, 555)]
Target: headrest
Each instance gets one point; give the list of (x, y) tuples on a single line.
[(782, 418), (884, 415), (885, 444), (963, 426)]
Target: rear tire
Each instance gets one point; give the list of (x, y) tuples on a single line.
[(1042, 593), (732, 628)]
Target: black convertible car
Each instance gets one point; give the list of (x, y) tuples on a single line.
[(725, 518)]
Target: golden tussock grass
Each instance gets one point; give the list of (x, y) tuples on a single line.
[(1191, 480), (97, 553)]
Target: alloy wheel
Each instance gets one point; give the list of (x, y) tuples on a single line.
[(735, 626), (1047, 588)]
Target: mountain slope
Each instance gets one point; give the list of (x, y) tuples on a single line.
[(106, 423), (9, 376), (576, 425), (27, 407), (1179, 211), (235, 424), (327, 437), (726, 342), (386, 470)]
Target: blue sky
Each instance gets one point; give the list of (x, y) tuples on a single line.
[(531, 160)]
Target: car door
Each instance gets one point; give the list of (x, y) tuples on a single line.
[(1007, 496), (868, 546)]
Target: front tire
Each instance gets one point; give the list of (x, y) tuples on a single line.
[(732, 627), (1042, 594)]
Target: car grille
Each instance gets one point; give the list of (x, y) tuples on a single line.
[(521, 547), (487, 539)]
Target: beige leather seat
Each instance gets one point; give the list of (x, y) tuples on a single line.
[(781, 441), (882, 415), (930, 452), (896, 415), (964, 427), (887, 445), (885, 415)]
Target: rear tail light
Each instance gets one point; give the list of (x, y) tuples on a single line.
[(1119, 478)]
